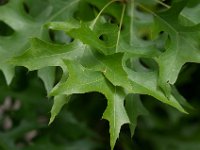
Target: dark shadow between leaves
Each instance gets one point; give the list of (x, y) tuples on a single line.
[(188, 82), (92, 106), (3, 2), (5, 29), (20, 80), (26, 8), (103, 37)]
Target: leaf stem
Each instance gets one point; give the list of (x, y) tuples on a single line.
[(99, 14), (120, 26), (163, 4)]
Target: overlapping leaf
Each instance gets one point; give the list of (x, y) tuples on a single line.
[(43, 54), (25, 27), (95, 61), (82, 80)]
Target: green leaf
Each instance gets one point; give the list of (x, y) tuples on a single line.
[(83, 80), (21, 26), (8, 71), (115, 113), (183, 45), (134, 108), (25, 27), (48, 77), (113, 10), (108, 33), (103, 58), (43, 54), (103, 37), (59, 102), (146, 82), (192, 11), (110, 66)]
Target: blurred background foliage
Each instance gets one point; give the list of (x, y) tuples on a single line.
[(25, 110)]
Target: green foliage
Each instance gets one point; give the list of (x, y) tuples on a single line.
[(121, 49)]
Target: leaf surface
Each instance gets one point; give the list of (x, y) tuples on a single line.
[(83, 80), (134, 108), (25, 27), (43, 54), (120, 63), (183, 45)]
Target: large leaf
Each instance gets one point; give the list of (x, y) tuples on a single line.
[(183, 45), (146, 82), (82, 80), (105, 58)]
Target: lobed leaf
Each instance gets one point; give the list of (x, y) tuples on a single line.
[(104, 58), (83, 80), (183, 44)]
